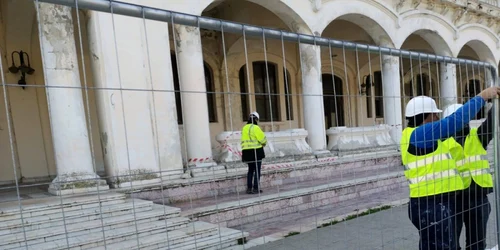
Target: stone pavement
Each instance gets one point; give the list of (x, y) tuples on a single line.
[(388, 229)]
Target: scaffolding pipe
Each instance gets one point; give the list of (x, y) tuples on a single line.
[(150, 13)]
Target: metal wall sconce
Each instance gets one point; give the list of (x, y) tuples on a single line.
[(25, 69)]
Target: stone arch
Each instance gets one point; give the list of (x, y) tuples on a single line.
[(339, 69), (432, 27), (481, 40), (286, 13), (381, 20), (236, 58)]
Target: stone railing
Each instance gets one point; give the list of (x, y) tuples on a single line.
[(280, 144), (359, 138), (490, 2)]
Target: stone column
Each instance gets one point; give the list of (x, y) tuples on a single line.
[(391, 85), (312, 89), (75, 171), (448, 87), (140, 137), (193, 95)]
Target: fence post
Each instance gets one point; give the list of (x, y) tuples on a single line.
[(496, 106)]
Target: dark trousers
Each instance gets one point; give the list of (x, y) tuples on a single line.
[(436, 223), (474, 213), (253, 175)]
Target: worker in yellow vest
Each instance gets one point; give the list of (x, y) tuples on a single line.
[(253, 141), (473, 208), (430, 170)]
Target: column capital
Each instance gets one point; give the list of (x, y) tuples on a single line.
[(388, 59)]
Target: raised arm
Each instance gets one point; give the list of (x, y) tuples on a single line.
[(426, 136)]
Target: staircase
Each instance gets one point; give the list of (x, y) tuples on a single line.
[(301, 199), (105, 221)]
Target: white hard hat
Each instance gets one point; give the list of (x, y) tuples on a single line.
[(255, 114), (421, 105), (451, 109)]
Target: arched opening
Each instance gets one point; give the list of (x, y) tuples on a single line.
[(361, 71), (210, 87), (422, 77), (266, 90), (277, 102), (471, 79), (333, 102)]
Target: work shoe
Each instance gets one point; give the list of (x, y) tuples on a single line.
[(249, 191)]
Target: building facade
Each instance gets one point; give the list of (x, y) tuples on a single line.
[(134, 101)]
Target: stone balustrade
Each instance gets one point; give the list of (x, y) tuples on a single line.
[(290, 142), (359, 138)]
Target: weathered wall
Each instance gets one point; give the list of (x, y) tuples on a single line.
[(434, 28), (29, 110)]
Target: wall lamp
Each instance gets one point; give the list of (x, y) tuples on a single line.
[(25, 69)]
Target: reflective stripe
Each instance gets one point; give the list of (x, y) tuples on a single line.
[(476, 172), (433, 176), (471, 159), (427, 161)]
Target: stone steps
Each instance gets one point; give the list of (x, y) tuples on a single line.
[(75, 216), (111, 220), (244, 209), (198, 235), (274, 175), (278, 227), (89, 227), (45, 206)]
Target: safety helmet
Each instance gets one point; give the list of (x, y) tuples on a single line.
[(255, 114), (451, 109), (421, 105)]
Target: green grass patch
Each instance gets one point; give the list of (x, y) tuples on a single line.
[(291, 234), (354, 216)]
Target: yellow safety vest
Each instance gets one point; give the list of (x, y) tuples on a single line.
[(456, 150), (475, 165), (430, 174), (252, 137)]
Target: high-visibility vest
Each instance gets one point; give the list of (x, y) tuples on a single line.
[(430, 174), (252, 137), (456, 150), (475, 165)]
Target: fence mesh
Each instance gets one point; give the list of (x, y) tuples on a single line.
[(127, 126)]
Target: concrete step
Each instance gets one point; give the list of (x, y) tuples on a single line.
[(76, 216), (274, 174), (55, 205), (225, 238), (94, 226), (277, 226), (242, 209), (196, 235), (94, 239)]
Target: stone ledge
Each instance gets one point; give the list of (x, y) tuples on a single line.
[(282, 143), (205, 186), (262, 199), (360, 138), (258, 209)]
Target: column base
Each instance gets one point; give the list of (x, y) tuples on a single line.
[(134, 178), (206, 169), (322, 153), (77, 184)]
